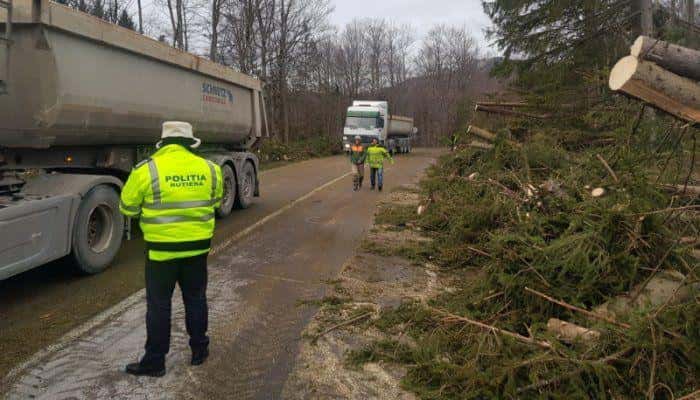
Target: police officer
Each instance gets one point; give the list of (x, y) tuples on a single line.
[(175, 194)]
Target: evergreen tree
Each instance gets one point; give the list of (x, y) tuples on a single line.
[(561, 50), (126, 21), (556, 46)]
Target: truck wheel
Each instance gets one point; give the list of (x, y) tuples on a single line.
[(98, 230), (229, 198), (247, 186)]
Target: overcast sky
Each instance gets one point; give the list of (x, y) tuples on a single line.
[(421, 14)]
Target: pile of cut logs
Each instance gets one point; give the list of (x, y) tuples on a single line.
[(662, 74)]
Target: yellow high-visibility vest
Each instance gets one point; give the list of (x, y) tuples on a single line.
[(175, 194)]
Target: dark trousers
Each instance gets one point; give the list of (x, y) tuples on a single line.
[(376, 175), (161, 277)]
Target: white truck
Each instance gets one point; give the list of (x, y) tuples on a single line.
[(371, 120), (81, 102)]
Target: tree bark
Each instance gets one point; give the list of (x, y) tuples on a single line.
[(690, 11), (642, 15), (215, 15), (665, 90), (480, 145), (693, 190), (482, 133), (515, 104), (677, 59), (571, 332), (140, 17), (173, 24)]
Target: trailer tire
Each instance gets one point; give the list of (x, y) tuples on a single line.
[(97, 231), (247, 183), (230, 192)]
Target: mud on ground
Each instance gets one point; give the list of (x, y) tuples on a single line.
[(369, 282)]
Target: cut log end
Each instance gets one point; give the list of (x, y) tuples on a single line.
[(622, 72), (638, 46)]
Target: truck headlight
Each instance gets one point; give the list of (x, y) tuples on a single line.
[(345, 138), (347, 145)]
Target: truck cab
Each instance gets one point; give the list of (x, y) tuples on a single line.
[(368, 120)]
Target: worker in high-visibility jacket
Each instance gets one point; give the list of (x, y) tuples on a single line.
[(174, 193), (376, 155), (357, 162)]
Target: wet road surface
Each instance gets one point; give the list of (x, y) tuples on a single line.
[(257, 278)]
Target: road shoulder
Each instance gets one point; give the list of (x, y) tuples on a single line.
[(384, 273)]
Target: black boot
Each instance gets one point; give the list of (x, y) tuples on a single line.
[(199, 356), (380, 188), (146, 369)]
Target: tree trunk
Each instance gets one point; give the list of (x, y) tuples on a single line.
[(482, 133), (642, 17), (215, 14), (515, 104), (506, 111), (647, 81), (173, 24), (690, 11), (140, 17), (677, 59), (480, 145), (571, 332)]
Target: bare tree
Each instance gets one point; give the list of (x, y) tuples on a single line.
[(351, 58), (214, 33), (399, 40), (375, 32), (446, 61)]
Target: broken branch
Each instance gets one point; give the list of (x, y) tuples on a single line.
[(344, 323), (607, 167), (516, 336), (578, 309)]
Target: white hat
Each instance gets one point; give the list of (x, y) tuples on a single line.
[(177, 129), (358, 137)]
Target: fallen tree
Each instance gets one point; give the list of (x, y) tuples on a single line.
[(480, 145), (677, 59), (694, 190), (665, 90), (482, 133), (506, 111), (515, 104)]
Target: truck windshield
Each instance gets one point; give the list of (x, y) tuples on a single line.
[(362, 122)]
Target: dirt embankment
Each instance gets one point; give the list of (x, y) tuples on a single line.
[(381, 275)]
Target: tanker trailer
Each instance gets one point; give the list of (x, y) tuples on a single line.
[(81, 102), (400, 132)]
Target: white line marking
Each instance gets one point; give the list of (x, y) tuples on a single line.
[(221, 246), (137, 297)]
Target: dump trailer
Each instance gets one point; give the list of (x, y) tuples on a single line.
[(399, 133), (82, 102)]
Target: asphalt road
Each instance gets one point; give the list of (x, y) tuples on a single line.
[(298, 234)]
